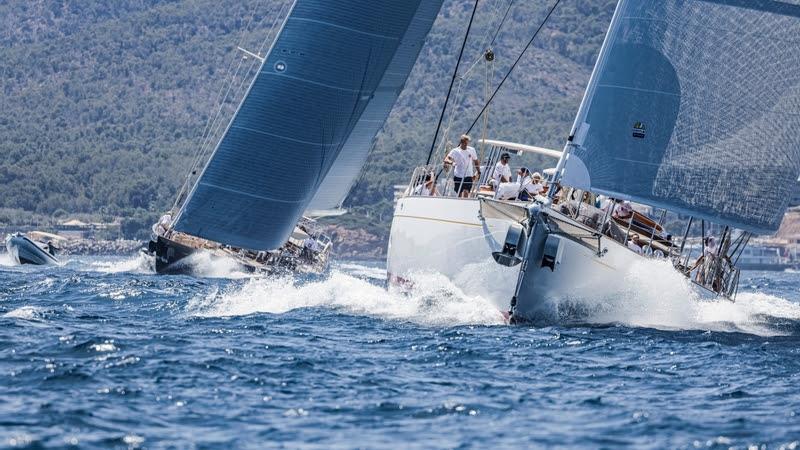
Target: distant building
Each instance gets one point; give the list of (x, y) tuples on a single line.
[(78, 229)]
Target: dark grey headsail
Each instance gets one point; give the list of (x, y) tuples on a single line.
[(348, 165), (328, 81), (693, 106)]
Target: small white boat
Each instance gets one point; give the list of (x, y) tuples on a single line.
[(25, 251)]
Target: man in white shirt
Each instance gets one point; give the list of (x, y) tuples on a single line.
[(502, 171), (465, 162)]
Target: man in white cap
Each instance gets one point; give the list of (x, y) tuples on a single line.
[(465, 162)]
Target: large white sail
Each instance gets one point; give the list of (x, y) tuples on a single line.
[(322, 77), (694, 106)]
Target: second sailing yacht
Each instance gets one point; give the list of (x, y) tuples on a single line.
[(300, 135), (691, 108)]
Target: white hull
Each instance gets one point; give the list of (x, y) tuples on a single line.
[(447, 235)]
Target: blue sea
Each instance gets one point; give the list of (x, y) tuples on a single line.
[(101, 353)]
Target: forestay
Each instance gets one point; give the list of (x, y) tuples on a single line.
[(694, 105), (330, 68)]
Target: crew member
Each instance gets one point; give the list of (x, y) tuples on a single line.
[(635, 244), (426, 189), (465, 162), (162, 226), (502, 171), (530, 186)]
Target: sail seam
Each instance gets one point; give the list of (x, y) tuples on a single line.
[(341, 27), (246, 194), (284, 137), (629, 88), (359, 91)]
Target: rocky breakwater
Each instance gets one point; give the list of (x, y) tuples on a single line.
[(100, 247), (356, 243)]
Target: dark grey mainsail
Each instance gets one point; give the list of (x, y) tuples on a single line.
[(328, 81), (694, 105)]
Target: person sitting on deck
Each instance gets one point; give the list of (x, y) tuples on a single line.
[(465, 162), (624, 210), (530, 186), (635, 243), (524, 189), (426, 189), (310, 248), (502, 171)]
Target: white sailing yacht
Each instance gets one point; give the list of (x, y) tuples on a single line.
[(692, 108), (300, 135)]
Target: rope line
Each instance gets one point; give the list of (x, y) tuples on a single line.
[(510, 70), (452, 81)]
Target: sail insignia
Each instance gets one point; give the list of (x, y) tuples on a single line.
[(693, 107)]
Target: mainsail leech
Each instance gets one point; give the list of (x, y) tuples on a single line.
[(325, 87), (694, 108)]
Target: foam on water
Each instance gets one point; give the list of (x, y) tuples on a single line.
[(6, 260), (433, 301), (205, 264), (31, 313), (653, 295), (139, 263), (650, 295)]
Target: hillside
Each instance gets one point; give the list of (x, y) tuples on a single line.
[(104, 104)]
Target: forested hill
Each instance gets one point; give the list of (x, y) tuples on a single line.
[(104, 104)]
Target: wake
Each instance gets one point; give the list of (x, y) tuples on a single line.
[(434, 301), (650, 295)]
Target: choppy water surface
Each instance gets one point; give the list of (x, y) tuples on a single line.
[(101, 353)]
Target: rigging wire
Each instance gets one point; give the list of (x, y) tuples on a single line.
[(465, 76), (207, 135), (231, 77), (502, 22), (511, 69), (212, 126), (452, 81), (217, 121)]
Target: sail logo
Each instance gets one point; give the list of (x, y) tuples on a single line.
[(639, 130)]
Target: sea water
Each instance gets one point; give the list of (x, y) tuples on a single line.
[(100, 352)]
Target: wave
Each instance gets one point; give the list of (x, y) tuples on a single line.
[(6, 260), (433, 301), (29, 313), (201, 264), (138, 264)]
